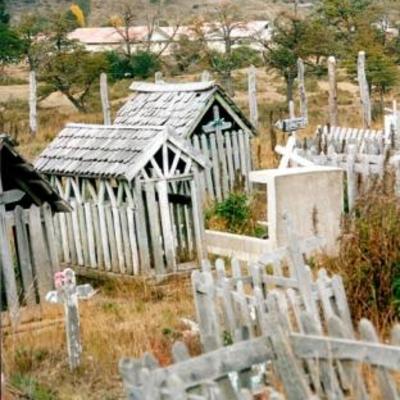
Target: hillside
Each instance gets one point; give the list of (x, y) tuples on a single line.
[(101, 10)]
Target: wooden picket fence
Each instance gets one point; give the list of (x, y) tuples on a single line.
[(366, 141), (33, 239), (119, 238), (286, 331), (230, 157), (363, 154)]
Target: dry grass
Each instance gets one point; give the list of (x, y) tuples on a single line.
[(123, 319), (369, 256)]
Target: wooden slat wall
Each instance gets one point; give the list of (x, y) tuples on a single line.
[(109, 235), (230, 158)]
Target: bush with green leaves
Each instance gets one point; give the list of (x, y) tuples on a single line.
[(141, 64), (244, 56), (238, 213)]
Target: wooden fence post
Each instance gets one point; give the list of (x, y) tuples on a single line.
[(302, 90), (364, 90), (32, 103), (351, 176), (205, 76), (252, 89), (158, 78), (7, 266), (104, 99), (332, 91)]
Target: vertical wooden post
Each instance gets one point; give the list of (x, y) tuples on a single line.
[(351, 177), (104, 99), (302, 89), (205, 76), (332, 91), (166, 225), (32, 103), (158, 78), (252, 89), (364, 90), (6, 262)]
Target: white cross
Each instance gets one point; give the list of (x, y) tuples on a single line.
[(68, 294), (218, 124)]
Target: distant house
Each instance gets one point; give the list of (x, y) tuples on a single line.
[(203, 114), (158, 38)]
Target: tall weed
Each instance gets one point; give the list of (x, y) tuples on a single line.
[(369, 257)]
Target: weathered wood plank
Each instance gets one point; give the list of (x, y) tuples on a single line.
[(40, 256), (24, 256), (155, 234), (166, 225), (142, 235)]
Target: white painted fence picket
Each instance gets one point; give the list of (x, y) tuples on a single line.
[(230, 159)]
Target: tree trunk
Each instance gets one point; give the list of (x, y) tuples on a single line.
[(227, 82)]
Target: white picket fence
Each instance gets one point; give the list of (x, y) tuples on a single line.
[(230, 157), (363, 154)]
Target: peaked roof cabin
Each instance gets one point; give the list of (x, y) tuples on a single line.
[(127, 185), (183, 106), (204, 114), (18, 174)]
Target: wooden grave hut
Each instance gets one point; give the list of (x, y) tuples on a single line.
[(135, 193), (204, 114), (28, 256)]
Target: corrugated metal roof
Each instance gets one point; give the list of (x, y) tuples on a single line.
[(179, 105), (112, 151)]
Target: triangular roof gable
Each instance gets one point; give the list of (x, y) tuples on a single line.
[(23, 176), (179, 105), (167, 135)]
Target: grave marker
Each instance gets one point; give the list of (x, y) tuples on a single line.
[(68, 294)]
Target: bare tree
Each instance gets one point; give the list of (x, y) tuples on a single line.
[(219, 26), (123, 24), (127, 20)]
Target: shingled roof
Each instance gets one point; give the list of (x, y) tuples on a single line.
[(113, 151), (180, 105), (17, 173)]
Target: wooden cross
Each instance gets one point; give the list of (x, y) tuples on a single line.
[(289, 153), (218, 124), (68, 293)]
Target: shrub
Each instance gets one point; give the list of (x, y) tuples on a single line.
[(369, 257), (235, 214), (244, 56), (144, 64), (141, 64)]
